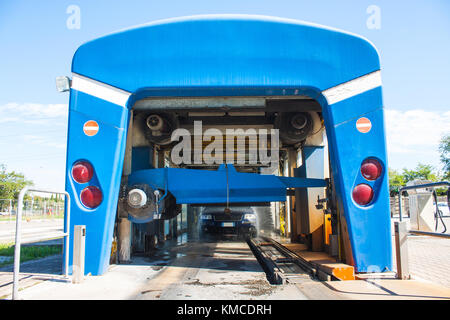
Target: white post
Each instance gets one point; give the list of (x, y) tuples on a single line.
[(79, 239), (401, 250)]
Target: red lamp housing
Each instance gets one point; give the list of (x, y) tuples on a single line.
[(91, 197), (371, 169), (362, 194), (82, 172)]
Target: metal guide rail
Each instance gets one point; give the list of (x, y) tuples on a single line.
[(280, 264), (285, 263), (65, 234)]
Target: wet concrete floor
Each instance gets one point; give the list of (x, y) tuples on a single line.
[(214, 268)]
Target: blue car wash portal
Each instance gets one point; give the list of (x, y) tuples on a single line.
[(320, 88)]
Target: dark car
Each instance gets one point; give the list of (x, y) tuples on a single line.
[(240, 221)]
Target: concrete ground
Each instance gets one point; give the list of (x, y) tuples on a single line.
[(192, 270), (31, 230), (203, 270), (31, 273), (216, 269)]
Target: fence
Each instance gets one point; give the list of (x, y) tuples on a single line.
[(405, 205), (395, 208), (48, 207), (41, 207)]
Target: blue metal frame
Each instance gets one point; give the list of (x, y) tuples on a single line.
[(207, 186), (229, 55)]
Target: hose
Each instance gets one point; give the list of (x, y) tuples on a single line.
[(438, 213), (448, 198)]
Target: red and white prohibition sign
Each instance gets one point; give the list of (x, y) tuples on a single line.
[(363, 125), (90, 128)]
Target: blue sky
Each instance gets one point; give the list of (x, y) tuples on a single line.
[(36, 46)]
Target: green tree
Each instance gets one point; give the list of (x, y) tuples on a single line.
[(11, 183), (396, 180), (422, 172), (444, 150)]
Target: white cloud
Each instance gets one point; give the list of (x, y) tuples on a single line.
[(8, 119), (415, 128), (47, 141), (33, 123), (34, 136), (30, 114), (34, 110), (414, 135)]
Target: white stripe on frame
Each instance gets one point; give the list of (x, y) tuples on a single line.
[(100, 90), (353, 87)]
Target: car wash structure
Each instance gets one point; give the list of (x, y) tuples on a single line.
[(320, 89)]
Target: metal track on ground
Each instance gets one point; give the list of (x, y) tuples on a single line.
[(280, 264)]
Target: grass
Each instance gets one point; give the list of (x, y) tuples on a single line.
[(28, 253)]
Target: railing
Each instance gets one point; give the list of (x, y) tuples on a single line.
[(401, 232), (393, 205), (420, 186), (15, 293)]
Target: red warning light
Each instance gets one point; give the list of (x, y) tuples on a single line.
[(371, 169), (82, 171), (362, 194), (91, 197)]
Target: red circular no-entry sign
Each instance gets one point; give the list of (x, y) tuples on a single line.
[(90, 128), (363, 125)]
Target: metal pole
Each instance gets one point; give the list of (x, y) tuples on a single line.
[(66, 248), (15, 294), (400, 205), (431, 234), (426, 185)]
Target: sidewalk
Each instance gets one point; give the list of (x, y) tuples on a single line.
[(31, 273), (429, 257)]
